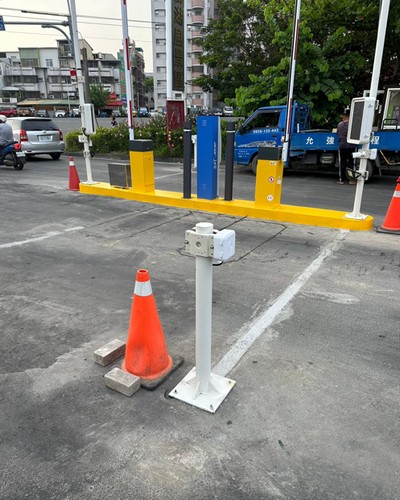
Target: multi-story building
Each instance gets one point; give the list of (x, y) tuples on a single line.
[(40, 77), (197, 16), (137, 75)]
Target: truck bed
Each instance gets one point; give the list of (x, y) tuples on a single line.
[(314, 140)]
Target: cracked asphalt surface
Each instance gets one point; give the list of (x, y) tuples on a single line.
[(314, 413)]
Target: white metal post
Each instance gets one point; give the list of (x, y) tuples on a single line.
[(185, 51), (77, 56), (380, 43), (168, 41), (203, 314), (200, 387), (127, 63), (292, 71)]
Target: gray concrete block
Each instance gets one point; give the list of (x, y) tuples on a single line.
[(109, 352), (122, 382)]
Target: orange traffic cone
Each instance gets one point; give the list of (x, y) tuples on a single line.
[(146, 353), (73, 183), (391, 224)]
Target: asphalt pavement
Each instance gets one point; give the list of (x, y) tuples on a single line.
[(305, 320)]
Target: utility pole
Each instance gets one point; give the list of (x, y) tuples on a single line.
[(75, 52), (81, 90)]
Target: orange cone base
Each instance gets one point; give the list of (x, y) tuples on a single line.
[(151, 383), (382, 229)]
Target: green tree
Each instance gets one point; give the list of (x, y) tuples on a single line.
[(235, 45), (99, 96), (334, 60), (149, 83), (248, 46)]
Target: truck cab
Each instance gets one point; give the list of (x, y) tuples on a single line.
[(266, 127)]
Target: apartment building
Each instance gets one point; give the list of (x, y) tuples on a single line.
[(40, 76), (198, 12), (136, 58)]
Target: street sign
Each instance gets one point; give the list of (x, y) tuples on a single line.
[(2, 27)]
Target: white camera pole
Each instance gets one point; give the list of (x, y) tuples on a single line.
[(200, 387), (376, 71), (80, 79)]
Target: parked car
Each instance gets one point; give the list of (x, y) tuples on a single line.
[(117, 113), (38, 136), (42, 113), (154, 113), (218, 112), (143, 112), (228, 111), (8, 111), (25, 112), (59, 113)]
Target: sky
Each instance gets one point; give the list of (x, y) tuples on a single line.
[(103, 30)]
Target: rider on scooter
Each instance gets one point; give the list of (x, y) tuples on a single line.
[(6, 133)]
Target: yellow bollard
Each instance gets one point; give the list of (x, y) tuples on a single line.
[(141, 158), (269, 177)]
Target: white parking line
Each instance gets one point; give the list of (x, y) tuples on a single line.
[(168, 175), (51, 234), (260, 324)]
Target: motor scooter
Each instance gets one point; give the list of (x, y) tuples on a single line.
[(12, 155)]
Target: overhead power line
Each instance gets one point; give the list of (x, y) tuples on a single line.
[(88, 17)]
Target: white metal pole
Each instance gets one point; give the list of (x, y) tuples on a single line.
[(168, 41), (293, 57), (206, 95), (203, 314), (376, 71), (185, 52), (127, 63), (81, 87)]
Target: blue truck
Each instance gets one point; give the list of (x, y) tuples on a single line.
[(316, 149)]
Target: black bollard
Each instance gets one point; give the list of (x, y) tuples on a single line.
[(229, 153), (187, 160)]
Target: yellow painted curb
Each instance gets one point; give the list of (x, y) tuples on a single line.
[(243, 208)]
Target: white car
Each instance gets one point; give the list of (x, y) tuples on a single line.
[(59, 113), (228, 111)]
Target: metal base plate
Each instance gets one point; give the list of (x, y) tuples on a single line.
[(219, 388)]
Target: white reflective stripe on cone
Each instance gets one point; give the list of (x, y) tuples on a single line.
[(396, 194), (143, 288)]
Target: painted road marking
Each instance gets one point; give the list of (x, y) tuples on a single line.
[(51, 234), (168, 175), (258, 327)]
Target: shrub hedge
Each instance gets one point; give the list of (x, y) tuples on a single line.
[(116, 139)]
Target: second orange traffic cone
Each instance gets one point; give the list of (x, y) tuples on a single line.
[(391, 224), (73, 182), (146, 353)]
